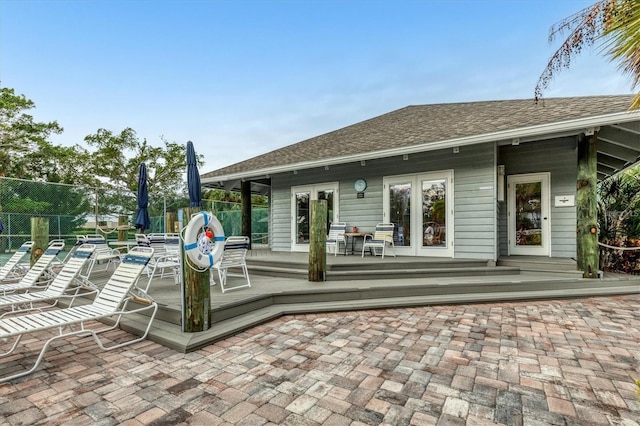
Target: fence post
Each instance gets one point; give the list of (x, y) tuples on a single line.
[(122, 233), (39, 236)]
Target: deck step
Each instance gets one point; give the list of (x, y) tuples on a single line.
[(553, 265), (303, 302)]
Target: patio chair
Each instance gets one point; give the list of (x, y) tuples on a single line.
[(10, 268), (336, 236), (33, 277), (110, 304), (381, 238), (102, 253), (60, 288), (233, 258)]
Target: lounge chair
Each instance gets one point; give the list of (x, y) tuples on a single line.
[(166, 255), (60, 288), (233, 257), (110, 303), (336, 236), (8, 270), (33, 277), (102, 254), (381, 238)]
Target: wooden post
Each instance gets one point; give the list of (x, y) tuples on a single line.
[(245, 189), (587, 207), (122, 233), (196, 297), (318, 241), (172, 219), (39, 236)]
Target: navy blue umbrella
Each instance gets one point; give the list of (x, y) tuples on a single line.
[(142, 218), (193, 177)]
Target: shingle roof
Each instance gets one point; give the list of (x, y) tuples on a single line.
[(423, 124)]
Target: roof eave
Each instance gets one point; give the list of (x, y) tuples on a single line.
[(578, 125)]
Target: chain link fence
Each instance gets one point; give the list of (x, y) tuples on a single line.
[(74, 210)]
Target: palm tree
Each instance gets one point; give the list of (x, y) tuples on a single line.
[(615, 24)]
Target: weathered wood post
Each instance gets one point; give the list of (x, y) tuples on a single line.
[(587, 206), (39, 236), (122, 232), (245, 189), (197, 292), (172, 219), (318, 241)]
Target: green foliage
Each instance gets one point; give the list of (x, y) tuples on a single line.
[(21, 138), (613, 23), (25, 199)]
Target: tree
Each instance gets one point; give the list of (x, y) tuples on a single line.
[(116, 163), (20, 136), (613, 23)]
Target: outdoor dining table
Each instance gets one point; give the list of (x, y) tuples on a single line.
[(353, 236)]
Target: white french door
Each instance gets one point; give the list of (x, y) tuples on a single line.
[(421, 207), (301, 197), (528, 214)]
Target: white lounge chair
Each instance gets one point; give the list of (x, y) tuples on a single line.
[(8, 270), (336, 236), (381, 238), (60, 288), (234, 258), (33, 277), (110, 303), (166, 255), (102, 254)]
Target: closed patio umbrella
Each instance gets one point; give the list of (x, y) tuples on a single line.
[(142, 218), (193, 177)]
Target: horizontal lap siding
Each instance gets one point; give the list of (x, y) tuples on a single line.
[(474, 190), (474, 207), (559, 158)]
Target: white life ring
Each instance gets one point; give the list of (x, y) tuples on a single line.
[(202, 250)]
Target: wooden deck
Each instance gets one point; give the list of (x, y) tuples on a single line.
[(279, 286)]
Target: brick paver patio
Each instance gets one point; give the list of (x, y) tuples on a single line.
[(556, 362)]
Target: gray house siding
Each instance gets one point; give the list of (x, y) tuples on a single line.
[(474, 202), (559, 157)]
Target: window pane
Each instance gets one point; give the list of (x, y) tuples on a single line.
[(302, 217), (400, 212), (434, 213), (528, 214)]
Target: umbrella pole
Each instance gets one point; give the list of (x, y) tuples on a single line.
[(196, 293)]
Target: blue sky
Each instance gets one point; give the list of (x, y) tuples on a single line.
[(240, 78)]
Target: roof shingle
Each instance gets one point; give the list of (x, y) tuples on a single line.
[(420, 124)]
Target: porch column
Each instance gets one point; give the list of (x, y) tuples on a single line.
[(587, 206), (318, 241), (245, 193)]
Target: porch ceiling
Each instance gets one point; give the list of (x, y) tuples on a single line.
[(618, 148)]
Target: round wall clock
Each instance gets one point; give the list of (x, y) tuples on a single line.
[(360, 185)]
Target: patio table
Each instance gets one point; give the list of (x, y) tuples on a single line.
[(353, 236)]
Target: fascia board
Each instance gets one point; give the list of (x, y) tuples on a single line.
[(578, 124)]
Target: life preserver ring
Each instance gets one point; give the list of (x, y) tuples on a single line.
[(201, 249)]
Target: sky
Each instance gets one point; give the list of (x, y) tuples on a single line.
[(243, 77)]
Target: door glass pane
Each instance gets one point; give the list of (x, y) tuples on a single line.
[(329, 196), (302, 217), (434, 213), (528, 214), (400, 213)]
